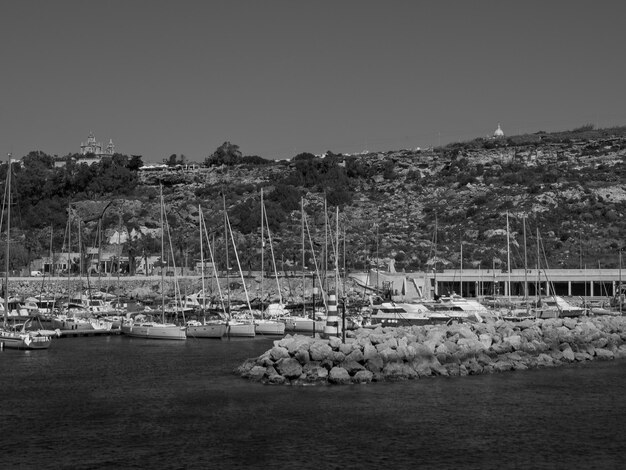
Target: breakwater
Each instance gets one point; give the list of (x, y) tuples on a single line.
[(404, 353)]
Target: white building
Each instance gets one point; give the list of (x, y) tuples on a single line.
[(95, 148)]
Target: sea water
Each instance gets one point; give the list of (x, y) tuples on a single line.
[(119, 402)]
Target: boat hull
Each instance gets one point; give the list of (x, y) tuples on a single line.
[(171, 332), (61, 324), (604, 311), (408, 321), (245, 330), (304, 325), (216, 331), (269, 327), (24, 342)]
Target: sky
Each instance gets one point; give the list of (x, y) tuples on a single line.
[(281, 77)]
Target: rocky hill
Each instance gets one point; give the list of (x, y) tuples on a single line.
[(412, 208)]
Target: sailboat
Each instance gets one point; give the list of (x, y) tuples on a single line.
[(517, 313), (16, 338), (304, 323), (268, 326), (552, 305), (236, 326), (206, 328), (152, 329)]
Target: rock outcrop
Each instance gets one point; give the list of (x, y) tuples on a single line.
[(394, 354)]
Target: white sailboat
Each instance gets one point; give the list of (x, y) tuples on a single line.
[(243, 325), (141, 328), (16, 338), (304, 323), (267, 325), (206, 328)]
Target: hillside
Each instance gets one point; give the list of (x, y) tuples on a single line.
[(405, 205)]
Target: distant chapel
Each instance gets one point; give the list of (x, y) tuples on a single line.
[(95, 148), (499, 133), (90, 152)]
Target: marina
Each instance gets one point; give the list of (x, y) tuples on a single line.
[(312, 235)]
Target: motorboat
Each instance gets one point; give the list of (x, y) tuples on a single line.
[(459, 308), (389, 313)]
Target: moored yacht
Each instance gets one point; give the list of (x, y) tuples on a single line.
[(23, 340), (207, 328), (153, 330), (389, 313), (460, 308), (267, 322), (556, 306)]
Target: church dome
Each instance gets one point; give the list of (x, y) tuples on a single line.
[(498, 132)]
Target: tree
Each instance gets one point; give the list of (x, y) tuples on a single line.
[(225, 154), (303, 156), (255, 160), (38, 159), (172, 160), (135, 163)]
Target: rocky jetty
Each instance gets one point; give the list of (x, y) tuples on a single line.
[(393, 354)]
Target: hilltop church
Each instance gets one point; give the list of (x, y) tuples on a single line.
[(90, 152), (91, 147)]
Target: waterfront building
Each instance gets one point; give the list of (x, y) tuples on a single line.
[(483, 282)]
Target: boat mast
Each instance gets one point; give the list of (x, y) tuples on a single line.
[(538, 289), (345, 273), (69, 254), (6, 255), (162, 257), (337, 258), (619, 291), (303, 260), (214, 264), (226, 249), (325, 285), (243, 281), (508, 257), (377, 260), (262, 255), (202, 262), (461, 272), (80, 255), (435, 258), (525, 265), (269, 239)]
